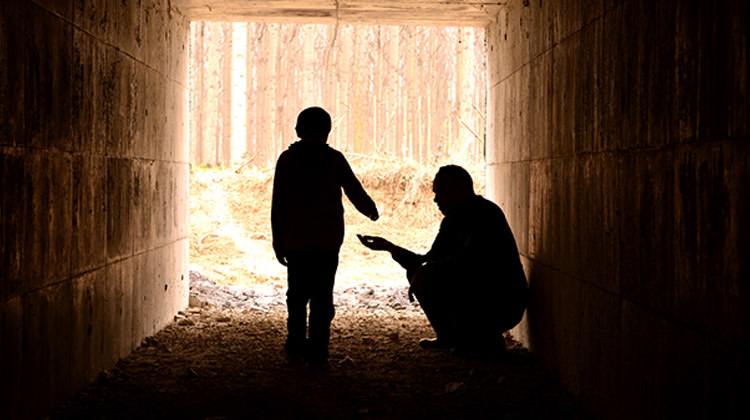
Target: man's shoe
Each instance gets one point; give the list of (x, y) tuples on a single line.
[(435, 344), (489, 348)]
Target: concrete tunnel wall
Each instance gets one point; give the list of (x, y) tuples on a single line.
[(94, 190), (619, 151)]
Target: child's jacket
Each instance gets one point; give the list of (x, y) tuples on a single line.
[(306, 211)]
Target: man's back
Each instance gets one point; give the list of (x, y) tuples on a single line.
[(475, 255), (478, 233)]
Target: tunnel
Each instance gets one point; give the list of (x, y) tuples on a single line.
[(617, 146)]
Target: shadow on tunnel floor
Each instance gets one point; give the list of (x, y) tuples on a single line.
[(227, 364)]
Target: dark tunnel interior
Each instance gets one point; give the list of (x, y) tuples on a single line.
[(617, 146)]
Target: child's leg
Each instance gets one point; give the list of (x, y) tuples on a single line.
[(323, 274), (297, 296)]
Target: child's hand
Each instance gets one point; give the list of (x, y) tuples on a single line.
[(374, 215), (375, 243), (280, 256)]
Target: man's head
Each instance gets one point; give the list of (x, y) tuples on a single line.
[(452, 186), (313, 124)]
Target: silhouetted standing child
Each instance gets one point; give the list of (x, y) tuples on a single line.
[(307, 219)]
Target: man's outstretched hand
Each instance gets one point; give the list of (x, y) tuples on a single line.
[(375, 243)]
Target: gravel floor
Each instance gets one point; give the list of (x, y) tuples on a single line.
[(224, 360), (205, 292)]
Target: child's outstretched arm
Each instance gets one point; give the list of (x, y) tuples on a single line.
[(356, 193)]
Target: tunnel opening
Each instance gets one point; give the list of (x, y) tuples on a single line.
[(404, 100)]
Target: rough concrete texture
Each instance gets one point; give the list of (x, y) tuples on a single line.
[(619, 151), (93, 174), (372, 12)]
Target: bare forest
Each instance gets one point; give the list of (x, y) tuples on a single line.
[(395, 92)]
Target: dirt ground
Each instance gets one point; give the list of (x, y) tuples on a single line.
[(216, 364), (219, 363)]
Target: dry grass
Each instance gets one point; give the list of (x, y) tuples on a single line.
[(230, 237)]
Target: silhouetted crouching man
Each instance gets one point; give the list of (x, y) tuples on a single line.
[(470, 284), (307, 220)]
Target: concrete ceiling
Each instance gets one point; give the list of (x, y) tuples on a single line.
[(382, 12)]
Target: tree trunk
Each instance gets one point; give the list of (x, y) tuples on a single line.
[(213, 121), (251, 63), (225, 107), (378, 101), (267, 36), (345, 87), (282, 73), (308, 66), (412, 94), (196, 92), (329, 76), (359, 88), (464, 64), (392, 70)]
